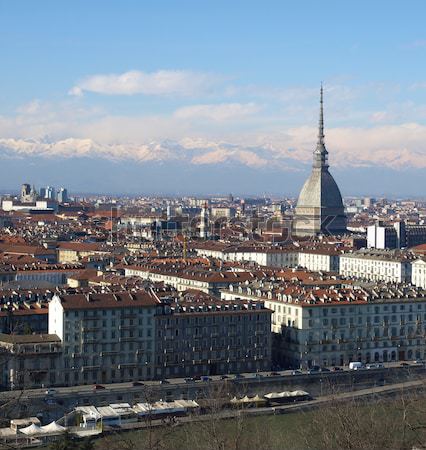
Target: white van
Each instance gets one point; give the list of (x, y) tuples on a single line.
[(355, 365)]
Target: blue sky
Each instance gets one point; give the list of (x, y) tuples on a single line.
[(214, 85)]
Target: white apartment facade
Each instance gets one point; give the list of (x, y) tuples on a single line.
[(325, 330), (419, 273), (375, 266), (318, 261)]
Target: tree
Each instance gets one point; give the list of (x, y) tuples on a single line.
[(67, 442)]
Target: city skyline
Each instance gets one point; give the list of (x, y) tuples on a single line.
[(219, 103)]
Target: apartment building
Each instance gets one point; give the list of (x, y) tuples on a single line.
[(320, 260), (334, 326), (262, 255), (419, 272), (200, 335), (75, 251), (377, 265), (183, 277), (270, 257), (30, 361), (106, 337)]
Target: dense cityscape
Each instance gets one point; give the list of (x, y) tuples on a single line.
[(203, 246), (182, 292)]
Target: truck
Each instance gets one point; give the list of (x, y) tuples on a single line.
[(355, 365)]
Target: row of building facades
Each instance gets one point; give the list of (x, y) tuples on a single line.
[(336, 325), (118, 336), (392, 266)]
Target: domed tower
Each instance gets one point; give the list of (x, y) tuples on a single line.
[(319, 208)]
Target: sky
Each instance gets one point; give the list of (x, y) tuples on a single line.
[(181, 97)]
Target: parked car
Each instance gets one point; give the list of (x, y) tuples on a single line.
[(336, 369), (374, 366), (325, 369), (50, 391), (97, 387), (296, 372), (274, 374), (164, 382), (314, 369), (137, 383), (224, 377)]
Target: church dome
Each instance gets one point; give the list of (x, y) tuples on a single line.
[(320, 190), (319, 209)]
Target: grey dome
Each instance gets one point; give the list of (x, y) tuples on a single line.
[(320, 190)]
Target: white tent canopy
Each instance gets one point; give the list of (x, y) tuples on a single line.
[(32, 430), (53, 427)]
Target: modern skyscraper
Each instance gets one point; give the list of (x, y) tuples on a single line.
[(50, 193), (319, 208), (62, 195)]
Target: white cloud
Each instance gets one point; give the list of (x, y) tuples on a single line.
[(162, 82), (218, 112)]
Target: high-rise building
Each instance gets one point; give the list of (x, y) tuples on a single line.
[(320, 208), (50, 193), (62, 195)]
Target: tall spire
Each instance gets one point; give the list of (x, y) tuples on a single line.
[(321, 119), (320, 153)]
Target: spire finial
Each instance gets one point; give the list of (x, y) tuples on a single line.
[(320, 153), (321, 119)]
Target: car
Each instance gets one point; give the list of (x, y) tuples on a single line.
[(274, 374), (336, 369), (97, 387), (314, 370), (325, 369), (206, 379), (404, 364), (189, 380), (238, 376), (419, 361), (164, 382), (374, 366), (296, 372), (224, 377), (50, 391), (137, 383)]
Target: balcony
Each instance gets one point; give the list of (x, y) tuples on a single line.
[(124, 365), (86, 329), (126, 339), (92, 340), (96, 367)]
